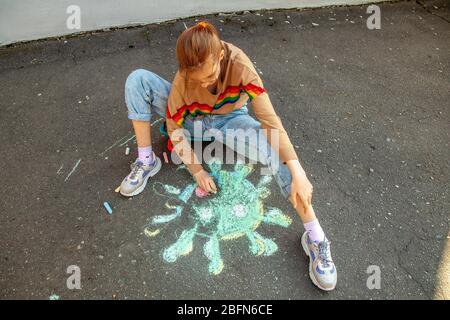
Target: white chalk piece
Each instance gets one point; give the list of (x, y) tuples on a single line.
[(127, 151)]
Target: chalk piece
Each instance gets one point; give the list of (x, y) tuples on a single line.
[(127, 151), (165, 157), (107, 207), (199, 192), (117, 189)]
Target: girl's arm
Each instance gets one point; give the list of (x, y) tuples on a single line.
[(183, 148), (300, 187), (300, 184), (269, 120)]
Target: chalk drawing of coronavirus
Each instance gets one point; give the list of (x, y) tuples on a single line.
[(236, 211)]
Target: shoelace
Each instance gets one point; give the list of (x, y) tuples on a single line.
[(137, 166), (324, 253)]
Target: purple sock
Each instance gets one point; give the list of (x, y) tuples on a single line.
[(315, 230), (146, 155)]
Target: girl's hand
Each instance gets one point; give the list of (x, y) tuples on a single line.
[(303, 188), (205, 181), (300, 185)]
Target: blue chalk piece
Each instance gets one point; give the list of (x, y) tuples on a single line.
[(107, 207)]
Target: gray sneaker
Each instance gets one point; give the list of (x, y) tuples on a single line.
[(322, 270), (135, 182)]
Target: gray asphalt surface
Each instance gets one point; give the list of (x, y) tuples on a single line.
[(368, 111)]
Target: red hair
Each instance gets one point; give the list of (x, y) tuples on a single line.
[(196, 44)]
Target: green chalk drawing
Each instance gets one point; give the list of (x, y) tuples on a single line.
[(182, 195), (171, 189), (237, 210), (54, 297)]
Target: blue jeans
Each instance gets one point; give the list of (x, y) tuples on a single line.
[(146, 92)]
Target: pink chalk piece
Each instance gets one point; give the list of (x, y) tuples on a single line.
[(165, 157), (199, 192)]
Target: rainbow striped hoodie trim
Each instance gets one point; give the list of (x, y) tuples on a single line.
[(231, 95)]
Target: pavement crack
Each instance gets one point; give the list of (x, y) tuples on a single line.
[(431, 12), (74, 57)]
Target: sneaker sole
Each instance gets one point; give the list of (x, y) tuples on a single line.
[(142, 187), (311, 273)]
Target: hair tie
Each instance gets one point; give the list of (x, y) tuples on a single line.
[(202, 24)]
